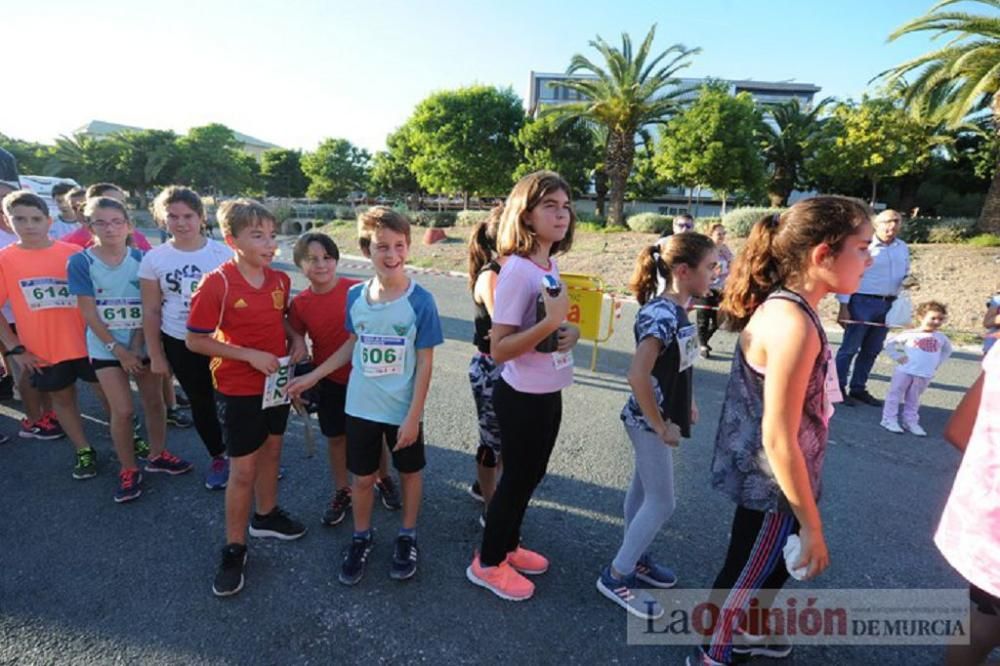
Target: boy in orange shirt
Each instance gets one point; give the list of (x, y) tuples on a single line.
[(49, 342)]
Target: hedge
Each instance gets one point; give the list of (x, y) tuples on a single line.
[(650, 223), (739, 221)]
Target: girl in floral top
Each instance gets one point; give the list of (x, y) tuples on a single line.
[(773, 427)]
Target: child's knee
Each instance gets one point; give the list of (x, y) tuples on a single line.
[(364, 483)]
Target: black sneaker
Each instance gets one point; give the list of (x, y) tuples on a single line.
[(276, 525), (229, 579), (355, 558), (475, 492), (404, 558), (866, 397), (747, 646), (339, 506), (389, 493), (848, 400)]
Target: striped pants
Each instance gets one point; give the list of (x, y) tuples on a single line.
[(754, 562)]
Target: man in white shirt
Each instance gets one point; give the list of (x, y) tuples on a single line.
[(879, 288)]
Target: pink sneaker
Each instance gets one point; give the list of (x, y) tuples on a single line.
[(501, 580), (528, 561)]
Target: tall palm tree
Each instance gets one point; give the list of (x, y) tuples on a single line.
[(629, 92), (964, 75), (787, 136)]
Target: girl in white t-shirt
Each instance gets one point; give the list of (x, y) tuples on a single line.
[(169, 275), (537, 223)]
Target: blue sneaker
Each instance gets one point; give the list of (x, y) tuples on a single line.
[(168, 463), (627, 593), (218, 473), (651, 573)]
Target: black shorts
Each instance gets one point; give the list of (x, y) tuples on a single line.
[(245, 426), (63, 375), (364, 447), (984, 602), (101, 363), (331, 408)]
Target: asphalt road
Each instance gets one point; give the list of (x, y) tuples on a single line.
[(86, 581)]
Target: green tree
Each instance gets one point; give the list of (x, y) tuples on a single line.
[(788, 138), (964, 74), (391, 172), (144, 159), (336, 169), (874, 140), (210, 160), (31, 157), (713, 143), (567, 148), (628, 93), (462, 140), (645, 181), (83, 158), (281, 173)]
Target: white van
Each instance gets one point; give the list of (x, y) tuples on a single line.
[(42, 186)]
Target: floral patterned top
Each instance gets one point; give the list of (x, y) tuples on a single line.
[(740, 467)]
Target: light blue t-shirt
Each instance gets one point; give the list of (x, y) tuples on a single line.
[(384, 363), (116, 292)]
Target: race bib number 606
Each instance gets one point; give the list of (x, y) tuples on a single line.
[(382, 355)]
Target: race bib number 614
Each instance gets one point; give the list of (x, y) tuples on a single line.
[(46, 293)]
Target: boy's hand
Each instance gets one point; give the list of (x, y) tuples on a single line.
[(263, 362), (301, 384), (568, 337), (28, 361), (297, 349), (407, 433)]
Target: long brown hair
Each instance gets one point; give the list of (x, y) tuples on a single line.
[(778, 249), (659, 259), (514, 236), (483, 243)]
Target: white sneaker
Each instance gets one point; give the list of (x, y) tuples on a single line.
[(892, 426), (915, 429)]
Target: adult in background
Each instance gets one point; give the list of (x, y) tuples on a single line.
[(879, 288), (682, 223)]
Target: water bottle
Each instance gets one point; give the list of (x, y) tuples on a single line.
[(553, 287)]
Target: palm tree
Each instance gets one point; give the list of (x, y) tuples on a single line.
[(964, 75), (628, 93), (787, 138)]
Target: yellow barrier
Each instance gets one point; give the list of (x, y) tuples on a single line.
[(586, 309)]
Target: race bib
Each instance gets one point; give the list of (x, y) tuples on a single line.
[(382, 355), (275, 384), (687, 344), (189, 285), (120, 313), (562, 360), (47, 293)]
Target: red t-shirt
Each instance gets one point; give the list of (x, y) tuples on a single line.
[(321, 317), (85, 239), (240, 314)]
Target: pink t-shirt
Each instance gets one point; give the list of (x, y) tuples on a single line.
[(969, 533), (85, 239), (517, 291)]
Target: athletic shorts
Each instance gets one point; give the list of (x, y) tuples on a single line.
[(364, 447), (332, 397), (63, 375), (245, 426), (101, 363)]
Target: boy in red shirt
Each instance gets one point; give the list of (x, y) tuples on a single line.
[(238, 318)]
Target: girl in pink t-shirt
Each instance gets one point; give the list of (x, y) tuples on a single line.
[(969, 533), (535, 348)]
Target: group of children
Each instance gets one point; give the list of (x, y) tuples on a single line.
[(224, 322)]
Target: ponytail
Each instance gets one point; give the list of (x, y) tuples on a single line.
[(648, 267), (657, 261), (483, 244)]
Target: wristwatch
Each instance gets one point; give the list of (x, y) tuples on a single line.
[(14, 351), (111, 345)]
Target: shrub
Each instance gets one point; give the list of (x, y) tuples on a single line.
[(442, 220), (650, 223), (345, 213), (985, 240), (704, 224), (470, 218), (739, 221)]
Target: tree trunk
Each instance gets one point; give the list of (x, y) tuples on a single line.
[(989, 218), (874, 191), (465, 200), (600, 191), (723, 193), (620, 155)]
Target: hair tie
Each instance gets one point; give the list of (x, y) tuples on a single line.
[(656, 251)]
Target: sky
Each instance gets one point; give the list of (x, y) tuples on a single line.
[(296, 72)]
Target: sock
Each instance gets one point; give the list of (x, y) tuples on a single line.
[(363, 534), (408, 532)]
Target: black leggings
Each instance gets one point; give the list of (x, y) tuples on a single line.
[(195, 378), (529, 425)]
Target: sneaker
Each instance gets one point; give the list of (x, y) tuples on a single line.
[(168, 463), (625, 592), (141, 448), (217, 475), (651, 573), (389, 493), (355, 557), (50, 424), (702, 659), (404, 558), (229, 579), (747, 646), (40, 429), (181, 400), (176, 417), (129, 487), (705, 352), (847, 400), (475, 492), (527, 561), (86, 464), (915, 429), (864, 396), (502, 580), (276, 525), (339, 506), (891, 426)]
